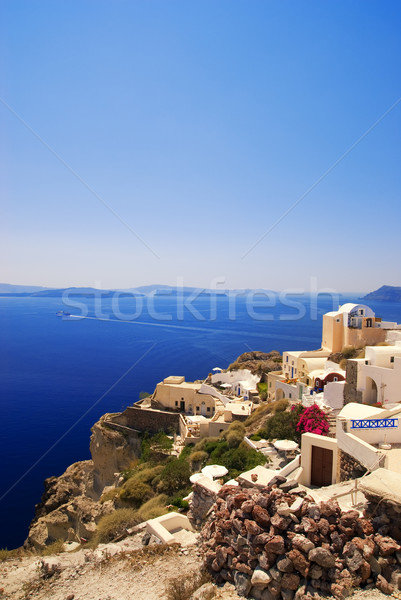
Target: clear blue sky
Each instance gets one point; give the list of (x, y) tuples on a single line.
[(200, 123)]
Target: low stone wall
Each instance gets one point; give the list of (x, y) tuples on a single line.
[(350, 468), (204, 494), (273, 544), (146, 419)]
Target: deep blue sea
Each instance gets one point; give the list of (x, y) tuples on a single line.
[(57, 377)]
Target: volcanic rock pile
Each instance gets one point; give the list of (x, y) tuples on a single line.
[(275, 544)]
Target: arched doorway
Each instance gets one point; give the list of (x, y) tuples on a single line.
[(279, 394), (370, 391)]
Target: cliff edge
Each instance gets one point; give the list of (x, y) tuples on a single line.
[(70, 507)]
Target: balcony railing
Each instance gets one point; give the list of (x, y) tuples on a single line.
[(374, 424)]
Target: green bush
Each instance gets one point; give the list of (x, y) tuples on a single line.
[(349, 351), (175, 476), (262, 389), (255, 437), (201, 445), (155, 507), (153, 447), (280, 405), (234, 426), (282, 425), (109, 495), (234, 438), (113, 525), (198, 458), (54, 548), (135, 492)]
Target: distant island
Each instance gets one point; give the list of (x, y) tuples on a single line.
[(7, 289), (386, 293)]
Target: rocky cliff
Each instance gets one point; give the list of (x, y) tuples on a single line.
[(70, 507)]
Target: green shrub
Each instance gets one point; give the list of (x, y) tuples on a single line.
[(198, 458), (153, 447), (109, 495), (282, 425), (343, 364), (179, 502), (234, 426), (175, 476), (280, 405), (262, 389), (234, 438), (186, 451), (155, 507), (136, 492), (5, 554), (349, 351), (201, 445), (113, 525), (255, 437), (54, 548)]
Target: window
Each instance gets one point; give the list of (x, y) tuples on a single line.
[(292, 362), (335, 378), (270, 383), (307, 381), (391, 359), (176, 402), (290, 395), (366, 362), (197, 409), (286, 359), (361, 311), (338, 320), (208, 409)]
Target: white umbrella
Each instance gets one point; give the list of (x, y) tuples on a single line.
[(285, 445), (214, 471), (217, 369), (195, 477)]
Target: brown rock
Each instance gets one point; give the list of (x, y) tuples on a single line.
[(284, 564), (386, 545), (290, 581), (322, 557), (262, 538), (275, 545), (261, 516), (384, 586), (300, 542), (365, 546), (252, 528), (309, 525), (247, 506), (299, 561), (324, 526), (280, 522), (365, 570)]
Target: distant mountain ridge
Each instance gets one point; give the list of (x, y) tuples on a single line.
[(386, 293), (7, 289)]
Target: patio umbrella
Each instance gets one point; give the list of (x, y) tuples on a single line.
[(214, 471)]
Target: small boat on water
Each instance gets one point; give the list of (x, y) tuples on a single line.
[(63, 313)]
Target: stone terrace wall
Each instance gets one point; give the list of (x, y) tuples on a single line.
[(278, 545), (350, 468), (144, 419)]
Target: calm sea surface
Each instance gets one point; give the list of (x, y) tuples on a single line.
[(55, 374)]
